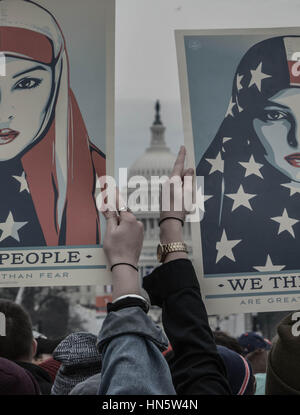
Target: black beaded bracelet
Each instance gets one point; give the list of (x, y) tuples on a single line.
[(170, 217), (124, 263), (128, 302)]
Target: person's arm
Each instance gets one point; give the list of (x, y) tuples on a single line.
[(129, 341), (196, 366), (132, 361)]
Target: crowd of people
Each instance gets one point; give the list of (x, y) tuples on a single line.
[(132, 355)]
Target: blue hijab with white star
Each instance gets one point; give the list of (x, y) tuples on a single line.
[(252, 217), (19, 224)]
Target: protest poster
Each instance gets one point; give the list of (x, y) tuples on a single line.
[(240, 93), (56, 139)]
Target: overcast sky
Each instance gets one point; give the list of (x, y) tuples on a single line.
[(146, 64)]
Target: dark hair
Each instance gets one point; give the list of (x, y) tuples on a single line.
[(17, 344), (223, 339), (47, 346)]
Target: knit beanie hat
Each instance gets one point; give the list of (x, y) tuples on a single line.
[(14, 380), (239, 371), (80, 359), (283, 369)]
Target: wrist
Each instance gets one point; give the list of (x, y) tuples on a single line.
[(129, 296), (116, 264), (128, 301), (171, 256), (171, 231), (125, 281)]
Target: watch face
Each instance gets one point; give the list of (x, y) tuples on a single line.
[(159, 252)]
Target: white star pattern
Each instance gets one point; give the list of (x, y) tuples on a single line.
[(10, 228), (240, 109), (217, 164), (203, 201), (240, 198), (252, 167), (200, 198), (269, 266), (230, 108), (225, 139), (224, 247), (23, 183), (293, 189), (257, 76), (286, 223), (238, 82), (207, 197)]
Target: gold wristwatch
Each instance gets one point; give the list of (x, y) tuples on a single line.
[(164, 249)]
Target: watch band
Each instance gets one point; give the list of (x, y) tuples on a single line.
[(164, 249)]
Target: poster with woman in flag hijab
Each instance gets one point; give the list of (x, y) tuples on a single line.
[(56, 139), (240, 92)]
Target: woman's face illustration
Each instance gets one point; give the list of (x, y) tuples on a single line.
[(277, 127), (25, 93)]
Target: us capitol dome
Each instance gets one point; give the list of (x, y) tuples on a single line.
[(157, 160)]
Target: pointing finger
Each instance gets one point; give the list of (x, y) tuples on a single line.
[(179, 163)]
